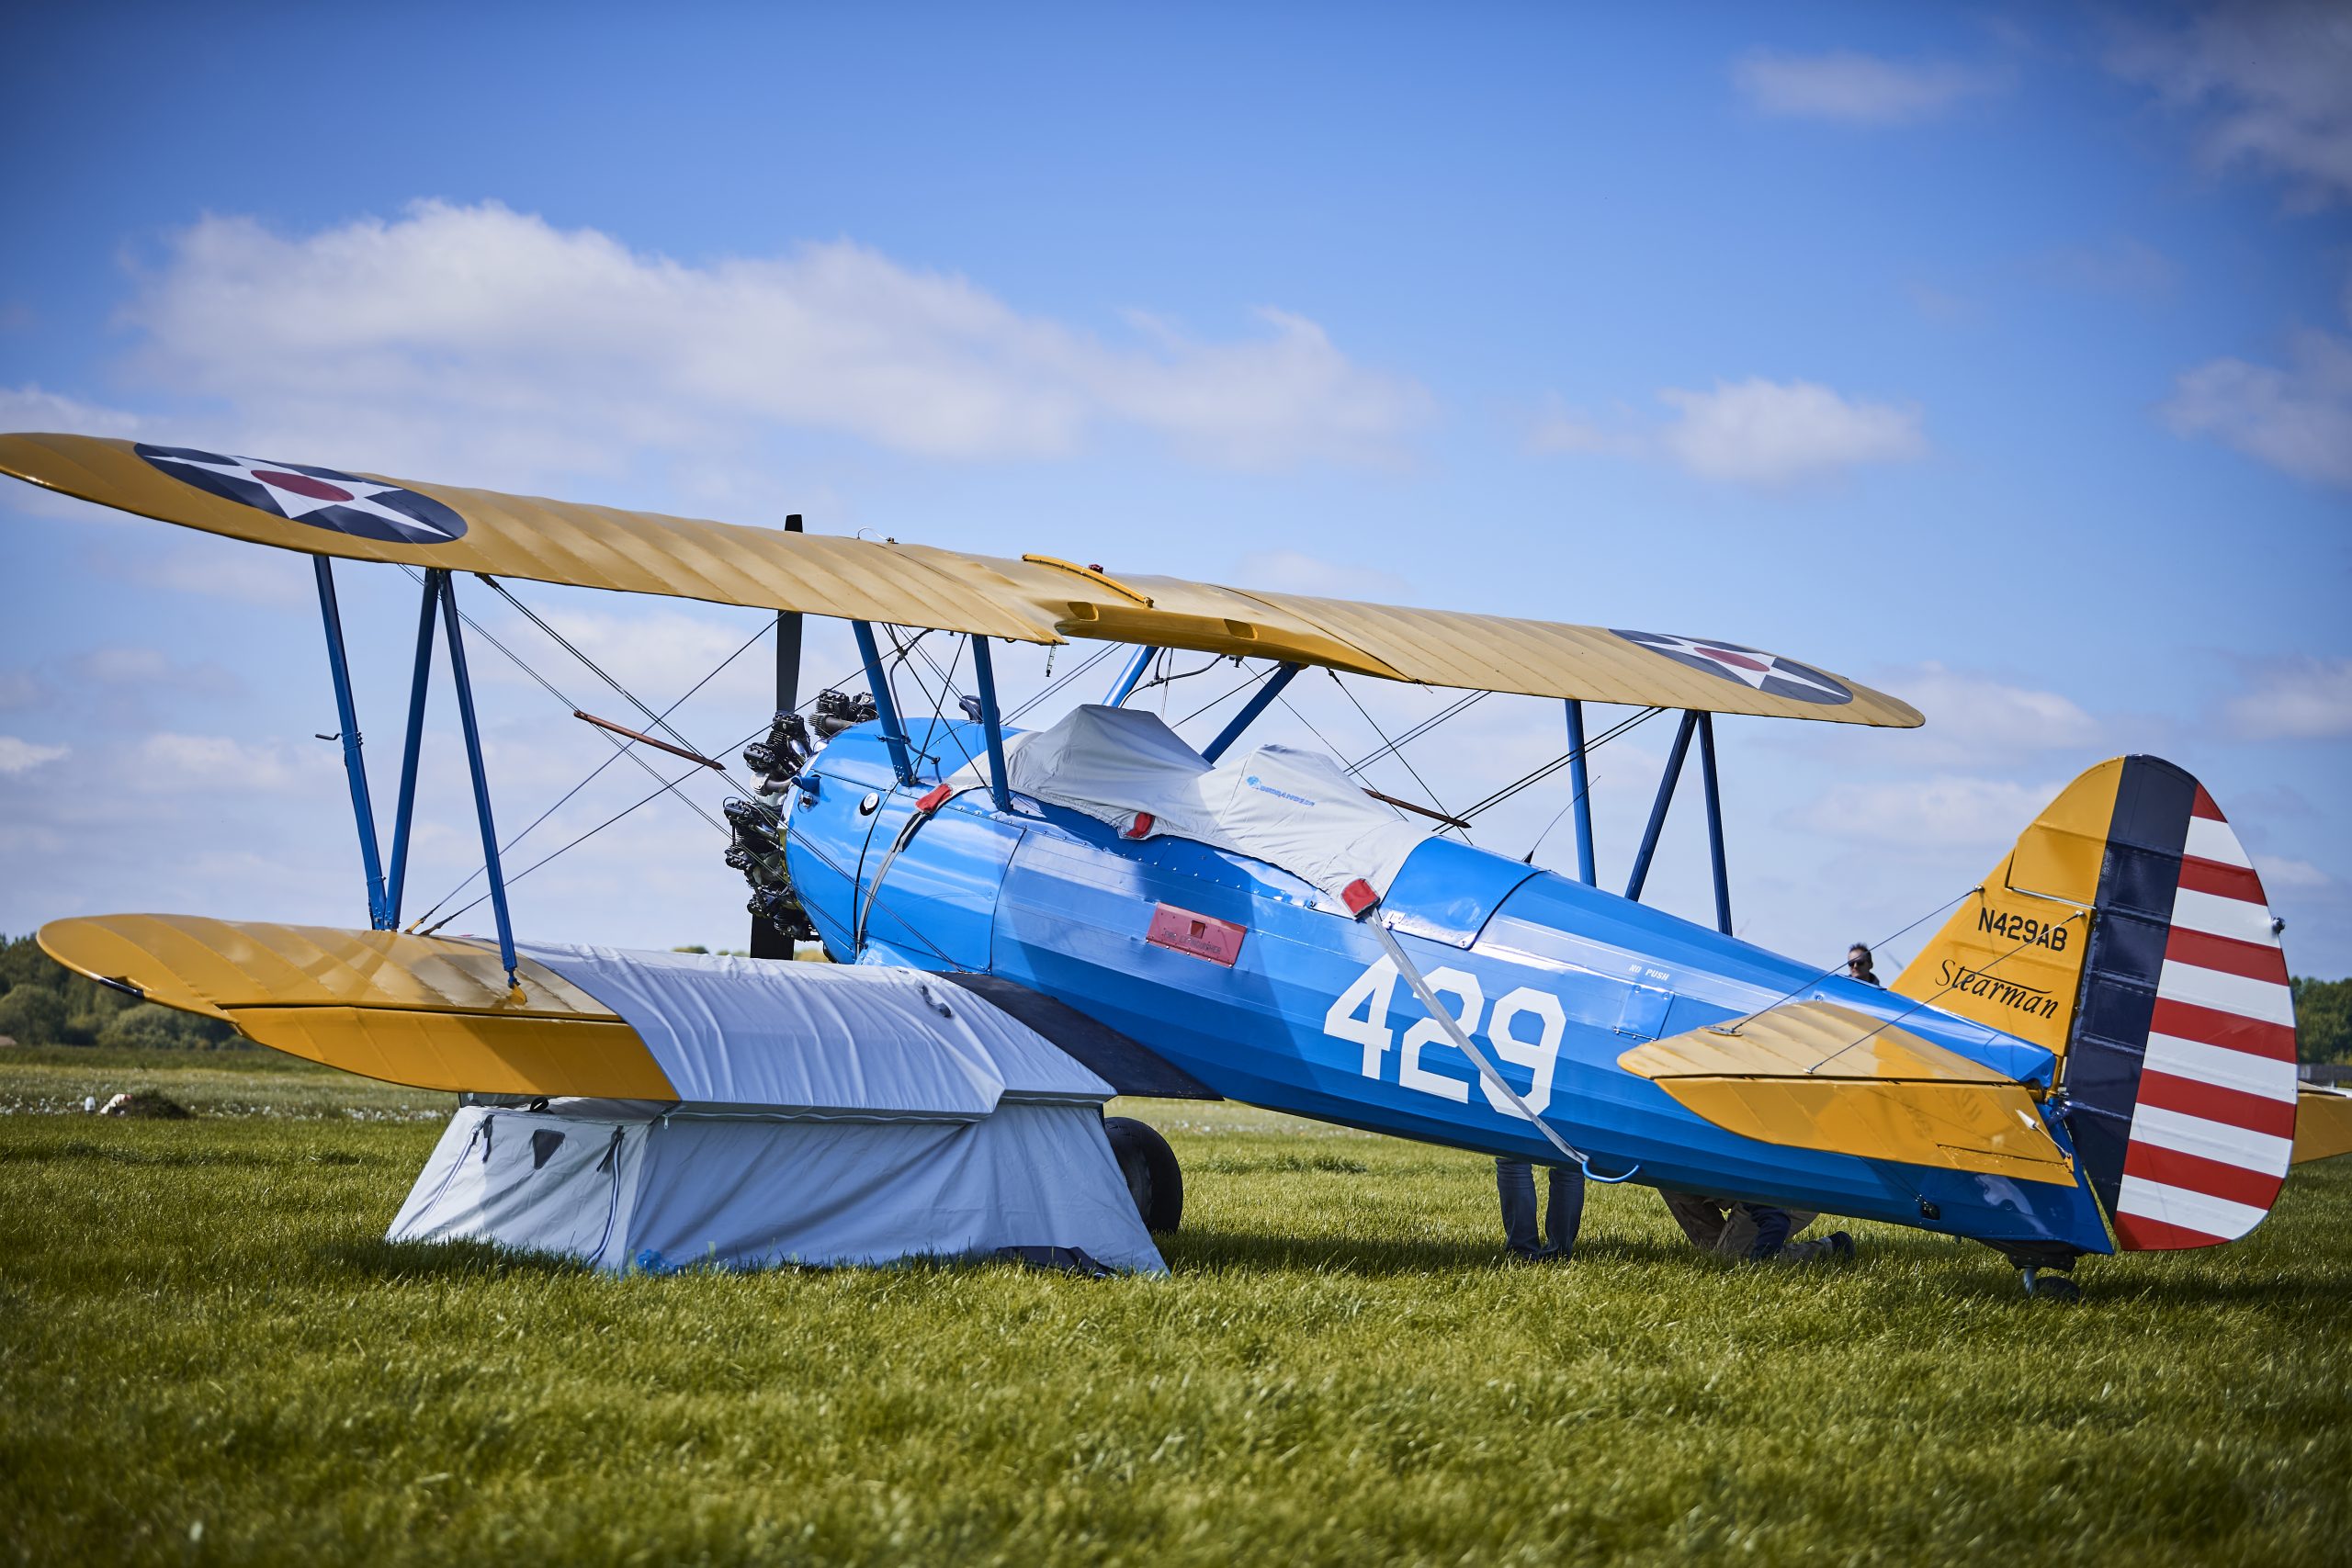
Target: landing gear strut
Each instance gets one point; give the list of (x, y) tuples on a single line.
[(1150, 1166), (2048, 1285), (2045, 1271)]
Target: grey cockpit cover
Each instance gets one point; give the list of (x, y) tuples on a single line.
[(1290, 809), (840, 1039)]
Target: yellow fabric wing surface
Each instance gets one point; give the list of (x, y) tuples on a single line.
[(428, 1012), (2323, 1124), (1806, 1076), (1034, 599)]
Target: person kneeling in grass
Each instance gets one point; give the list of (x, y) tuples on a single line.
[(1755, 1232)]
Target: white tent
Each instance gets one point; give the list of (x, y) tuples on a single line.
[(828, 1115)]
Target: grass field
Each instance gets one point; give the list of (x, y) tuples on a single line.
[(207, 1353)]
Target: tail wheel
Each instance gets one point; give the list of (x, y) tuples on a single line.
[(1150, 1168), (2046, 1286)]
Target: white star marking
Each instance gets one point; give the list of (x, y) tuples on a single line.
[(297, 505), (1771, 668)]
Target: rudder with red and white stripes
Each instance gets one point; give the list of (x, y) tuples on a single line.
[(2180, 1073)]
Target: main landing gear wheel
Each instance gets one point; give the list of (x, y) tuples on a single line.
[(1150, 1166)]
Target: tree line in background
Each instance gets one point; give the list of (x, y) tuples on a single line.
[(44, 1003), (2323, 1020)]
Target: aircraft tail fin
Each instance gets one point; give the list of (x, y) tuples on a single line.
[(2129, 932)]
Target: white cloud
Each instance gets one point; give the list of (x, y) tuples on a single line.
[(658, 655), (1295, 572), (1758, 434), (2294, 699), (1859, 89), (116, 664), (2121, 265), (22, 756), (31, 408), (1949, 810), (1975, 716), (2269, 84), (1770, 434), (215, 569), (1559, 428), (176, 762), (2298, 419), (492, 340), (2278, 872)]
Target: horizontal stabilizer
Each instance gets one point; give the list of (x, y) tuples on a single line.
[(1816, 1075), (2323, 1124)]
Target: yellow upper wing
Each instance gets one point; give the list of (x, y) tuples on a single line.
[(1034, 599)]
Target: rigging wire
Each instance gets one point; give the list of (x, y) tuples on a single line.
[(1574, 796), (1561, 761), (939, 706), (1418, 731), (1236, 692), (543, 860), (1390, 746), (619, 745), (661, 720), (1806, 985), (811, 849), (620, 748), (1931, 995), (1302, 718), (1097, 657)]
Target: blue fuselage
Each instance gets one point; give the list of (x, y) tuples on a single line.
[(1555, 980)]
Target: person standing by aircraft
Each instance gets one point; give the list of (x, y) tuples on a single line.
[(1515, 1181)]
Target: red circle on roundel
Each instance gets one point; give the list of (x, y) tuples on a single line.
[(1727, 657), (302, 484)]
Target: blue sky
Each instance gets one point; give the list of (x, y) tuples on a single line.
[(2000, 359)]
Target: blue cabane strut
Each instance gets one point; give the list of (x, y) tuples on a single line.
[(1127, 682), (1257, 705), (991, 724), (1580, 786), (1702, 723), (886, 705)]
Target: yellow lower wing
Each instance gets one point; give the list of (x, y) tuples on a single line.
[(1816, 1076), (2323, 1124), (429, 1011)]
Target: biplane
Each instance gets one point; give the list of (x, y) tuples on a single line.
[(2093, 1053)]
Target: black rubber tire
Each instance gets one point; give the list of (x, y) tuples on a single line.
[(1153, 1178)]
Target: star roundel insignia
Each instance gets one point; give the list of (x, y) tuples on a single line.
[(1767, 672), (323, 498)]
